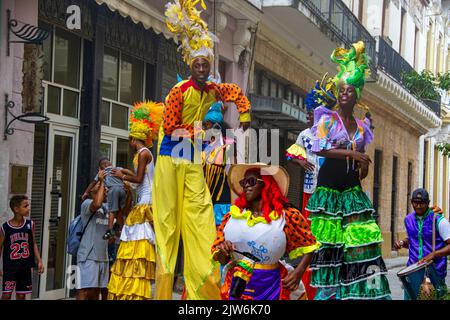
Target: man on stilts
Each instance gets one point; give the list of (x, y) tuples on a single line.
[(182, 201)]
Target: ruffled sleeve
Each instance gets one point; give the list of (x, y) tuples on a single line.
[(368, 134), (324, 129), (300, 239), (297, 150), (220, 235)]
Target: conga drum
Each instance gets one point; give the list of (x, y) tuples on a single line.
[(413, 275)]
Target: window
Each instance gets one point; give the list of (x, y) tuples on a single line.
[(429, 57), (105, 150), (123, 155), (67, 58), (447, 67), (416, 48), (385, 27), (131, 79), (361, 15), (409, 186), (280, 93), (110, 74), (439, 62), (223, 70), (436, 176), (265, 86), (273, 87), (376, 182), (402, 31), (62, 71), (122, 87), (394, 199), (425, 165)]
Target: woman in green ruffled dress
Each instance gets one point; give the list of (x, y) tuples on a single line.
[(349, 264)]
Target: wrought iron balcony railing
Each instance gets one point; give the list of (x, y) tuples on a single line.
[(335, 16), (391, 62), (278, 107)]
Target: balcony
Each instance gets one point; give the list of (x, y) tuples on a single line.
[(278, 112), (338, 20), (392, 63)]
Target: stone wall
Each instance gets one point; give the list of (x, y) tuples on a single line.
[(394, 137), (18, 148)]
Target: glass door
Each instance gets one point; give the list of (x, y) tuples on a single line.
[(59, 211)]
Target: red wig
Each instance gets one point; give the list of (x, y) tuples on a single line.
[(271, 196)]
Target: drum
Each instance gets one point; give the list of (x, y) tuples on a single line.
[(412, 277)]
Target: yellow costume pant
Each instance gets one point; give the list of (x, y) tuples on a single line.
[(182, 206)]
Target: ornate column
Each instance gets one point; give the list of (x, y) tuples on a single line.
[(241, 39)]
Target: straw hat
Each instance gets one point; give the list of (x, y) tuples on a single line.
[(237, 173)]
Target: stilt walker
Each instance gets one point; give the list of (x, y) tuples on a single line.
[(182, 201), (300, 153)]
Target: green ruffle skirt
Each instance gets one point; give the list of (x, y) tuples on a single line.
[(349, 264)]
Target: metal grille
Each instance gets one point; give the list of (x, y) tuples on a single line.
[(394, 199), (335, 16), (38, 189), (376, 182)]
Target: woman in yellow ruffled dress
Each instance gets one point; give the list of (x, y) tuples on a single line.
[(134, 267)]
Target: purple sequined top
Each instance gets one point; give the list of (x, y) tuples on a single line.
[(330, 132)]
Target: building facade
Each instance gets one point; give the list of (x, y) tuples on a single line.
[(414, 35), (294, 42), (102, 56), (99, 58)]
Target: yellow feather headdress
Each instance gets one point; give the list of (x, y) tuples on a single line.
[(145, 119), (183, 19)]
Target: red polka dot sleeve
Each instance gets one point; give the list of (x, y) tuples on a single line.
[(300, 239), (230, 92), (220, 234), (173, 113)]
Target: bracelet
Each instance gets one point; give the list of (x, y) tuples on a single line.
[(402, 243)]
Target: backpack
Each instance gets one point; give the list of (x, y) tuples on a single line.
[(76, 232)]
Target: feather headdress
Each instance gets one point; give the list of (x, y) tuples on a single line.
[(145, 119), (183, 19), (353, 65), (323, 94)]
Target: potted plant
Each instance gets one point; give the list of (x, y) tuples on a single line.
[(428, 87)]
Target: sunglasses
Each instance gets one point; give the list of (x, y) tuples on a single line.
[(252, 181)]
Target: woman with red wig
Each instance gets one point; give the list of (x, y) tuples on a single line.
[(259, 229)]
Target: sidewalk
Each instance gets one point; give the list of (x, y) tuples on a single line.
[(393, 263)]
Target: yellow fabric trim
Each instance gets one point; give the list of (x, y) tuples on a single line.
[(139, 214), (132, 271), (260, 266), (245, 117), (138, 135), (133, 250), (296, 150), (300, 251), (136, 268), (236, 213)]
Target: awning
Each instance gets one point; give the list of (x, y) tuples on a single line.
[(140, 11)]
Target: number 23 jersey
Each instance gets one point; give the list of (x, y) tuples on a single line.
[(18, 245)]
